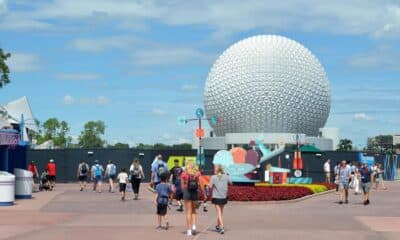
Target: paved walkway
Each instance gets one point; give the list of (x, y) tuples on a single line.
[(69, 214)]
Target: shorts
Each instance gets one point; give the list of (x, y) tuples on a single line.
[(219, 201), (178, 191), (344, 185), (82, 178), (190, 195), (366, 186), (97, 179), (112, 177), (122, 187), (51, 178), (162, 209)]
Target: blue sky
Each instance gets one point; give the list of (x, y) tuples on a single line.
[(137, 65)]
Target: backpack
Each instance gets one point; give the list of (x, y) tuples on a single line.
[(84, 169), (113, 170), (161, 169), (193, 184), (136, 172), (97, 171)]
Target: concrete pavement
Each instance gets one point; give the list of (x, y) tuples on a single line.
[(68, 213)]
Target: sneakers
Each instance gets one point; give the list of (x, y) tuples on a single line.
[(205, 209), (180, 209), (166, 225), (217, 228), (159, 227), (221, 230), (340, 202), (366, 202)]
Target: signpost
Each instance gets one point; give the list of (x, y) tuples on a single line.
[(200, 133)]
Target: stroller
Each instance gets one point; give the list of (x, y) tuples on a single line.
[(44, 182)]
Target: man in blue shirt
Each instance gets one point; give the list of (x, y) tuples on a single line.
[(365, 175), (158, 168)]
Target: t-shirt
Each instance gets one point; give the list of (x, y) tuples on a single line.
[(33, 169), (80, 169), (327, 167), (365, 174), (220, 185), (176, 173), (51, 168), (133, 170), (163, 190), (123, 177), (111, 169), (344, 174), (154, 169)]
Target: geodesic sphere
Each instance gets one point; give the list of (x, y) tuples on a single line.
[(267, 84)]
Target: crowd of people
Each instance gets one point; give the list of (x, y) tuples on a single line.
[(180, 184), (357, 176)]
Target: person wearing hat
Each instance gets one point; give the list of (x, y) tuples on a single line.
[(97, 176), (51, 169), (35, 174)]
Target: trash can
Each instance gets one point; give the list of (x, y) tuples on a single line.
[(23, 183), (7, 189)]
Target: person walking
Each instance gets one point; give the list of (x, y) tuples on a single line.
[(82, 174), (136, 175), (123, 181), (35, 174), (175, 179), (327, 170), (344, 176), (51, 169), (190, 183), (379, 177), (97, 176), (357, 184), (366, 177), (158, 168), (161, 199), (219, 184), (111, 175), (336, 174)]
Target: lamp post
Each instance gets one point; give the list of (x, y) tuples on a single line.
[(199, 131)]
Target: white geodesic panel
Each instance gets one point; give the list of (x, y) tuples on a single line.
[(267, 83)]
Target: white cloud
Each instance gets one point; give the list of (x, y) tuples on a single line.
[(159, 112), (103, 44), (3, 7), (24, 62), (68, 100), (78, 76), (375, 18), (362, 117), (98, 101), (189, 87), (381, 58), (169, 55)]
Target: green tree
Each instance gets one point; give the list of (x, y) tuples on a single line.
[(55, 130), (380, 143), (91, 135), (345, 145), (120, 145), (182, 146), (4, 70)]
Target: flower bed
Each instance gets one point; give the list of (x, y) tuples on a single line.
[(267, 193)]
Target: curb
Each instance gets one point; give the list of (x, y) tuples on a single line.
[(286, 201)]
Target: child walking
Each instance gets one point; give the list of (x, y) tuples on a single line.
[(123, 180), (161, 199)]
